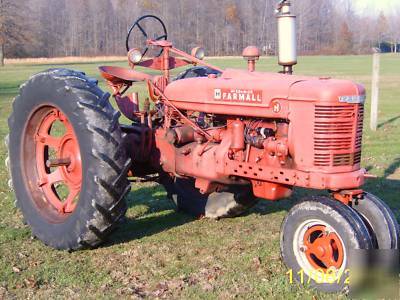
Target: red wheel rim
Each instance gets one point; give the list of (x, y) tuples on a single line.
[(323, 249), (55, 162)]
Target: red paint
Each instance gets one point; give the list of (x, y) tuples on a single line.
[(322, 246), (237, 129), (270, 190), (65, 147), (316, 140), (122, 76), (251, 54), (347, 196)]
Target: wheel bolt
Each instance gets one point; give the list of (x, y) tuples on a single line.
[(303, 248)]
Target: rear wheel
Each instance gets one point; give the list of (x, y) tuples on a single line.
[(67, 159), (51, 155), (317, 238), (7, 162), (225, 204)]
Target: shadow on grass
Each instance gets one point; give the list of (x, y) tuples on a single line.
[(133, 228), (387, 190), (393, 167), (388, 121), (266, 207), (160, 215)]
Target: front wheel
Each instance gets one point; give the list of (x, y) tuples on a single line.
[(318, 237), (380, 221), (67, 159)]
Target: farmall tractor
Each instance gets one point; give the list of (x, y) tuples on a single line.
[(217, 140)]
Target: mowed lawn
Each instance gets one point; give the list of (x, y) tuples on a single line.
[(161, 253)]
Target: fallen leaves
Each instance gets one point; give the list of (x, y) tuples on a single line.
[(257, 263), (30, 282), (135, 286)]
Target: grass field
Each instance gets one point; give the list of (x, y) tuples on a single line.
[(161, 253)]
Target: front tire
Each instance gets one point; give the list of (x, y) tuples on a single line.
[(317, 237), (380, 221), (65, 133)]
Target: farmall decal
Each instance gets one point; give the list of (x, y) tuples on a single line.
[(238, 95)]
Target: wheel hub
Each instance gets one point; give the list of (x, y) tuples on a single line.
[(58, 160), (323, 248), (69, 151)]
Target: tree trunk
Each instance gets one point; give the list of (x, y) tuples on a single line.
[(1, 55)]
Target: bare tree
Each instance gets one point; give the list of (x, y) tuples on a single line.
[(223, 27), (12, 31), (394, 30), (382, 28)]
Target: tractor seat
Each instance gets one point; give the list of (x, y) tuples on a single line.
[(118, 75)]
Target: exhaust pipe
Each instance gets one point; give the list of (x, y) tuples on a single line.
[(287, 39)]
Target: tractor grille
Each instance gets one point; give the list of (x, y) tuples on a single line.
[(338, 135)]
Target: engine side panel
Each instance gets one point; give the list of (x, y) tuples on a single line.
[(275, 131), (231, 94)]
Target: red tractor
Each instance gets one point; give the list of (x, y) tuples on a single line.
[(217, 140)]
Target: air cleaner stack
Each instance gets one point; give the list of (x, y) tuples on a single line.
[(287, 39)]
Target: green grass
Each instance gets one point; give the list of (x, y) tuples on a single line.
[(159, 252)]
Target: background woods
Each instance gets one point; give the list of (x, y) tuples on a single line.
[(12, 28), (49, 28)]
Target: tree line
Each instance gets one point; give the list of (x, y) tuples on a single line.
[(53, 28)]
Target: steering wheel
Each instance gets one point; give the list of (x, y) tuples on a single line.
[(162, 36)]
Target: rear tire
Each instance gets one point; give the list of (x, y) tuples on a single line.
[(7, 162), (318, 235), (225, 204), (99, 168)]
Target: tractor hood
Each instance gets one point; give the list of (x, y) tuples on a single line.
[(247, 93), (270, 85)]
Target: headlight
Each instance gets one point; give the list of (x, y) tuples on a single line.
[(199, 53), (134, 56)]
